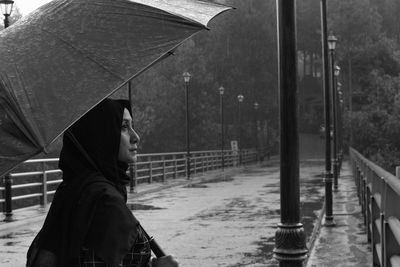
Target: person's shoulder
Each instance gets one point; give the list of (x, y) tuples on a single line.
[(97, 186)]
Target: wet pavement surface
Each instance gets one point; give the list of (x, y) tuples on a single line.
[(346, 243), (229, 220)]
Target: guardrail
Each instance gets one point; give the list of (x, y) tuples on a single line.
[(379, 195), (38, 187)]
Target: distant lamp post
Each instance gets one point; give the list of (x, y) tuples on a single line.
[(221, 101), (340, 123), (328, 43), (6, 7), (332, 45), (186, 79), (240, 99), (337, 123), (256, 106)]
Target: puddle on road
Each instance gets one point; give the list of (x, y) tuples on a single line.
[(218, 180), (137, 206), (18, 234), (195, 186), (263, 254), (9, 244)]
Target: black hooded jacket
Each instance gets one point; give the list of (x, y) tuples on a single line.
[(89, 207)]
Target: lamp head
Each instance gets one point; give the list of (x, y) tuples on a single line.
[(6, 7), (221, 90), (240, 97), (186, 76), (337, 70), (332, 42), (256, 105)]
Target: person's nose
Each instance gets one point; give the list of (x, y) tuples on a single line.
[(134, 137)]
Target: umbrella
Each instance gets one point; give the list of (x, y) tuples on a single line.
[(65, 57)]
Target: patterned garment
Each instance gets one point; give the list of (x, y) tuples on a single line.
[(139, 256)]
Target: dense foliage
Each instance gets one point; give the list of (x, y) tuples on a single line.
[(369, 48)]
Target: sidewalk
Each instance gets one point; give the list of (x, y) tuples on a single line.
[(25, 216), (346, 243)]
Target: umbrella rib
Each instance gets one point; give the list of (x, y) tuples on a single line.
[(84, 54)]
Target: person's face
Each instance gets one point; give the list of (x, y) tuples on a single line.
[(129, 140)]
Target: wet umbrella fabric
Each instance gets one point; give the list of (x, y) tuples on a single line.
[(65, 57)]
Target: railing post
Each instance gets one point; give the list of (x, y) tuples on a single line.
[(175, 167), (132, 174), (195, 164), (202, 163), (163, 175), (7, 181), (150, 170), (398, 171), (43, 198), (207, 162)]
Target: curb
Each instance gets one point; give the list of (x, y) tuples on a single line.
[(314, 234)]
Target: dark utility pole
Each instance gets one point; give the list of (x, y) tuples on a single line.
[(240, 100), (325, 72), (186, 78), (221, 101), (290, 246), (6, 8)]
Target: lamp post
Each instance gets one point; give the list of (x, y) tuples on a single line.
[(290, 245), (186, 79), (340, 124), (6, 8), (332, 45), (256, 106), (221, 102), (240, 99), (325, 74), (335, 106)]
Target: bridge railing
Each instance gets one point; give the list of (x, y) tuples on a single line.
[(27, 188), (379, 195)]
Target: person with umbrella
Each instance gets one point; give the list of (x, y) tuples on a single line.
[(89, 223)]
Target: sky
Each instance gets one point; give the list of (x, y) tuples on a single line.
[(26, 6)]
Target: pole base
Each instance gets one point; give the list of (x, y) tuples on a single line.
[(328, 222), (8, 217)]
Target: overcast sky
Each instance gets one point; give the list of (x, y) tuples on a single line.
[(26, 6)]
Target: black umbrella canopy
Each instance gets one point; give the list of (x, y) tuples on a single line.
[(65, 57)]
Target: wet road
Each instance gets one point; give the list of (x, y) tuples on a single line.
[(230, 221)]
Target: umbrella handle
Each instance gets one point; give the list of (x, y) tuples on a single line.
[(157, 250)]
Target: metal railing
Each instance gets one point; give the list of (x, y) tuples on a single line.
[(379, 195), (38, 186)]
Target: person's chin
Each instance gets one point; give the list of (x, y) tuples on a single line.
[(132, 159)]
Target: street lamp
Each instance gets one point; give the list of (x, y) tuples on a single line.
[(221, 101), (290, 246), (186, 79), (240, 99), (327, 103), (337, 127), (6, 7), (256, 106), (340, 123), (333, 71)]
